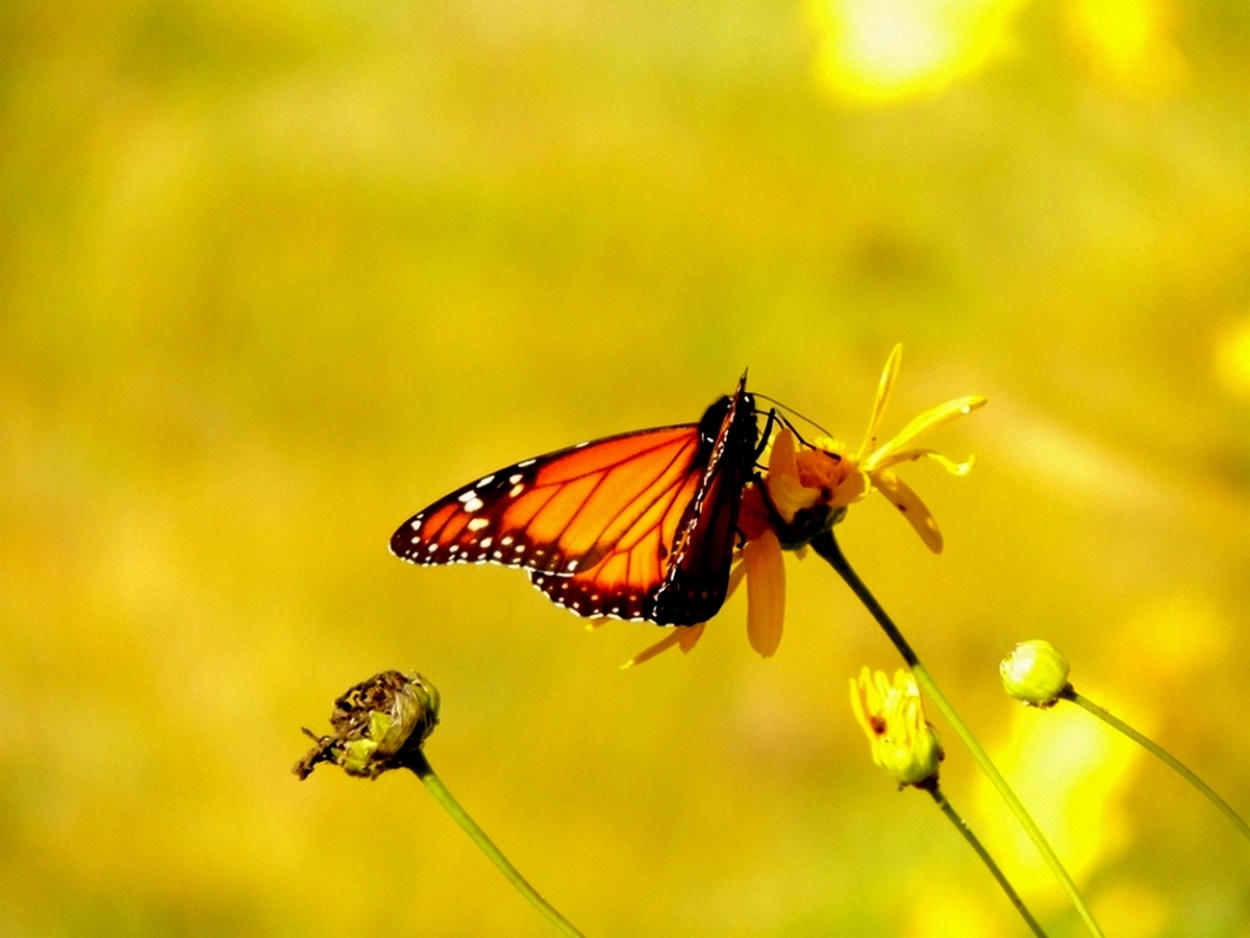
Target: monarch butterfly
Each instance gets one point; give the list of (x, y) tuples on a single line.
[(636, 526)]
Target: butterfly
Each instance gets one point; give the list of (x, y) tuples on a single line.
[(636, 526)]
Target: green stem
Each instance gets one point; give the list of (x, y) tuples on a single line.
[(421, 766), (1154, 748), (826, 546), (975, 843)]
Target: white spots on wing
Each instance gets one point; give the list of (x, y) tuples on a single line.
[(571, 566), (484, 481), (431, 547), (520, 548), (506, 540), (568, 592), (515, 478), (525, 463), (453, 549), (516, 490), (466, 496), (473, 504), (497, 554), (485, 542), (581, 444), (477, 524), (415, 523)]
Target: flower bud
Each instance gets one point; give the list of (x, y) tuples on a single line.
[(377, 725), (1035, 673)]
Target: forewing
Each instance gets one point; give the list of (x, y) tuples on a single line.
[(559, 513)]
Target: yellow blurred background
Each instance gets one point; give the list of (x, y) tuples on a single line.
[(273, 276)]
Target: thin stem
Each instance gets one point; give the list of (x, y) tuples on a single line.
[(421, 766), (975, 843), (826, 546), (1154, 748)]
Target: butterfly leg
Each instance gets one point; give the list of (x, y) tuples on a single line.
[(773, 419)]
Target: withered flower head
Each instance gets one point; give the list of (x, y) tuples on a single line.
[(378, 725)]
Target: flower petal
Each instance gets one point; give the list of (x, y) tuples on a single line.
[(884, 386), (911, 455), (687, 636), (867, 706), (931, 418), (908, 502), (856, 486), (766, 592), (784, 488)]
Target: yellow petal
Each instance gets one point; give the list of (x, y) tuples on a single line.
[(913, 509), (880, 697), (787, 493), (861, 704), (884, 387), (687, 636), (911, 455), (931, 418), (856, 486), (766, 592), (908, 690)]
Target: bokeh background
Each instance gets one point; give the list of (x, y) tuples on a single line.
[(275, 275)]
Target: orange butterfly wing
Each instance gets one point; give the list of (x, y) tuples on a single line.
[(636, 526)]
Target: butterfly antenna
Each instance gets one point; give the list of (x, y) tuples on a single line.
[(774, 415)]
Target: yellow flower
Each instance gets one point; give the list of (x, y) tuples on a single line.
[(892, 715), (825, 474), (804, 492)]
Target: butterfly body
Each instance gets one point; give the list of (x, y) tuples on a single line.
[(636, 526)]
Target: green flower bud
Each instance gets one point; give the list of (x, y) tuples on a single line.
[(1035, 673)]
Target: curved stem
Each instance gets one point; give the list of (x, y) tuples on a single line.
[(826, 546), (421, 766), (1155, 749), (975, 843)]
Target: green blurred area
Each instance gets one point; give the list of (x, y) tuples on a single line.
[(274, 276)]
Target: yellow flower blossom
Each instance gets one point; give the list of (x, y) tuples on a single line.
[(806, 490), (826, 474), (903, 742)]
